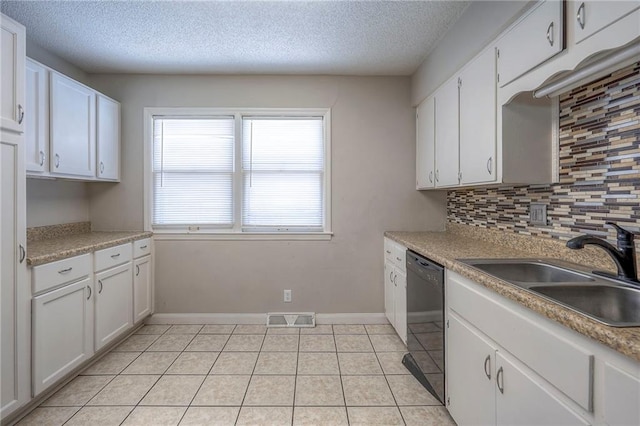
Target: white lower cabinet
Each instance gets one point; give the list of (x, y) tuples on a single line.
[(141, 288), (507, 365), (62, 332), (522, 398), (470, 374), (395, 287), (113, 311)]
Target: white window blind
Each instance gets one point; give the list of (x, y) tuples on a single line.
[(193, 166), (283, 174)]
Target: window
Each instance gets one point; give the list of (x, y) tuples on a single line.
[(259, 172)]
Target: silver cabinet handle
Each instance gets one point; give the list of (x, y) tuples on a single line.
[(437, 175), (487, 367), (113, 256), (57, 161), (489, 164), (459, 176), (64, 271), (459, 82), (143, 247), (100, 282), (398, 259), (580, 16), (394, 280), (89, 296), (550, 34), (20, 114), (137, 270), (431, 176), (500, 380), (101, 167), (23, 253), (41, 158), (388, 251), (391, 276)]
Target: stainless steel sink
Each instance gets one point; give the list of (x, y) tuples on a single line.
[(611, 304), (609, 301), (528, 271)]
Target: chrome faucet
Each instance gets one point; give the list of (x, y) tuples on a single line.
[(624, 255)]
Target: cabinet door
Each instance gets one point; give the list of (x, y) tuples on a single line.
[(114, 294), (12, 60), (400, 304), (536, 38), (522, 399), (447, 134), (14, 289), (425, 144), (470, 374), (593, 15), (389, 292), (36, 130), (141, 288), (621, 396), (73, 127), (61, 332), (108, 138), (478, 120)]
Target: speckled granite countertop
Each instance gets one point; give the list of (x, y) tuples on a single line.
[(52, 249), (460, 242)]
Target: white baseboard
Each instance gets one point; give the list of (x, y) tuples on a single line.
[(364, 318)]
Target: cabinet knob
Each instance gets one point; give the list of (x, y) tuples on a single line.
[(580, 16), (550, 34)]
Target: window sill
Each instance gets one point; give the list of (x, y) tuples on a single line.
[(246, 236)]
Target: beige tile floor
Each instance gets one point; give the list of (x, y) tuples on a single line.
[(247, 375)]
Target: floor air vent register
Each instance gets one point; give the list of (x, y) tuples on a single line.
[(291, 319)]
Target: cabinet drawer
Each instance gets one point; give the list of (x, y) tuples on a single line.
[(400, 256), (113, 256), (563, 364), (388, 249), (141, 247), (51, 275)]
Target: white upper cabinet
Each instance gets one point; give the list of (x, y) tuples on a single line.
[(533, 40), (108, 139), (478, 120), (425, 146), (594, 15), (73, 128), (12, 60), (447, 134), (36, 130)]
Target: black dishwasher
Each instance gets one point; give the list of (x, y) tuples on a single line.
[(425, 323)]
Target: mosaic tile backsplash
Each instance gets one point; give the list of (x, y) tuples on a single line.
[(599, 169)]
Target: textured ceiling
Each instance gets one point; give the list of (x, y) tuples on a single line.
[(239, 37)]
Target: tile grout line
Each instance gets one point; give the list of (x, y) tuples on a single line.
[(295, 381), (246, 391)]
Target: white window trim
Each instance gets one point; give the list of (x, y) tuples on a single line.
[(234, 233)]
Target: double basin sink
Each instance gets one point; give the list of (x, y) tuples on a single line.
[(609, 301)]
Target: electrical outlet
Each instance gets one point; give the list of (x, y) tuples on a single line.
[(538, 214), (287, 296)]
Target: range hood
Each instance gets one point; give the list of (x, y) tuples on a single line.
[(595, 68)]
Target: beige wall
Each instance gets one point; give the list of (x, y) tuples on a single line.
[(479, 24), (373, 181), (50, 202)]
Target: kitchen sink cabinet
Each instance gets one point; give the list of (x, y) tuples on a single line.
[(507, 365), (141, 288), (395, 287)]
